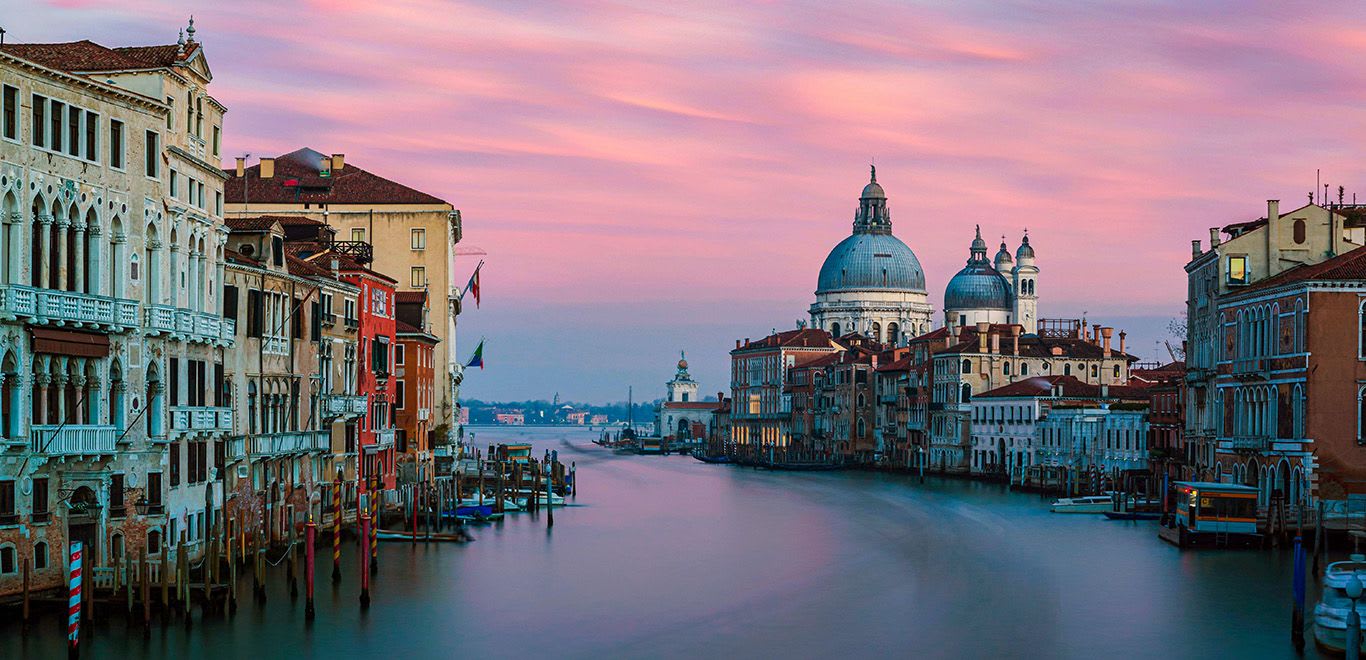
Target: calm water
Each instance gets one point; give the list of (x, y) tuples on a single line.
[(667, 557)]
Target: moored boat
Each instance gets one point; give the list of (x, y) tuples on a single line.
[(1086, 504), (1330, 614), (699, 455), (1133, 515)]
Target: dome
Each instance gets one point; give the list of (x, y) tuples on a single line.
[(1025, 251), (871, 261), (978, 286), (1002, 257), (872, 190)]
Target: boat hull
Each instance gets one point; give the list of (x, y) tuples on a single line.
[(1133, 515)]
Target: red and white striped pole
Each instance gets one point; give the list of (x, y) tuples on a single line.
[(73, 609)]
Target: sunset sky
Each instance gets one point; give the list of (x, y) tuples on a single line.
[(650, 177)]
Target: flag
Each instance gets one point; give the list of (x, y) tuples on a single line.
[(473, 286), (477, 360)]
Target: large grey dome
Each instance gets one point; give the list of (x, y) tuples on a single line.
[(871, 261)]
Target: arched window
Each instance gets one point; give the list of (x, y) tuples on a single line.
[(835, 329), (893, 333), (1024, 368), (862, 400), (876, 333), (862, 428), (1297, 412), (1116, 372), (1095, 371), (1005, 368), (1067, 369), (251, 407), (40, 555), (1297, 230), (966, 396), (1361, 330), (967, 366), (153, 541), (1299, 325)]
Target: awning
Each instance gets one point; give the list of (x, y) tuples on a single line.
[(69, 342)]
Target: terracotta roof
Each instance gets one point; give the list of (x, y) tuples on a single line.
[(260, 223), (299, 266), (1040, 347), (86, 55), (904, 364), (1346, 266), (297, 180), (802, 338), (234, 255), (411, 296), (1042, 386), (404, 328)]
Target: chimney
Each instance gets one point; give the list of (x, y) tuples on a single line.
[(746, 341), (1213, 237), (1273, 245), (737, 343), (338, 162), (1195, 249), (1121, 341), (982, 336), (995, 342), (1095, 333), (267, 168), (1015, 339), (1105, 338), (241, 167)]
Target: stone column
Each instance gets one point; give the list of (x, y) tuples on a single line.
[(59, 382), (96, 259), (78, 415), (77, 282), (118, 268), (45, 249), (63, 228), (92, 400), (5, 419)]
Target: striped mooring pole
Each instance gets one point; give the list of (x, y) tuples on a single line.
[(73, 608), (336, 528)]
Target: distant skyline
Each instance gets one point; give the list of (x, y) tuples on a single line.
[(661, 176)]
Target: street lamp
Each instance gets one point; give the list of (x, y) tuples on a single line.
[(1353, 646)]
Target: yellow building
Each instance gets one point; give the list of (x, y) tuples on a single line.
[(401, 232)]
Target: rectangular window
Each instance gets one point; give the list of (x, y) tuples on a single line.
[(8, 514), (418, 239), (202, 202), (217, 139), (152, 155), (39, 121), (11, 112), (398, 354), (400, 394), (419, 277), (92, 136), (315, 328), (296, 317), (116, 505), (358, 234), (40, 509), (56, 115), (218, 202), (255, 311), (116, 144), (1237, 270), (175, 463), (174, 184), (175, 388), (153, 493), (73, 130), (229, 302)]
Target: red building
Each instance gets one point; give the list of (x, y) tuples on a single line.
[(375, 430), (415, 387)]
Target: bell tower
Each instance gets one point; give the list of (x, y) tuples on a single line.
[(682, 388)]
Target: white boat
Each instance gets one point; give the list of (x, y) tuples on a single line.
[(508, 505), (1330, 614), (555, 500), (1088, 504)]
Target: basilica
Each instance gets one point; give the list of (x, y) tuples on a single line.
[(872, 284)]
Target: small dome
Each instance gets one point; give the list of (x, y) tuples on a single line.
[(873, 190), (979, 286), (1025, 251), (1003, 256), (871, 261)]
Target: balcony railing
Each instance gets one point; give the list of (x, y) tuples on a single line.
[(290, 442), (424, 414), (73, 439), (201, 419), (351, 323), (189, 325), (1251, 443), (384, 438), (343, 405), (275, 345), (67, 308)]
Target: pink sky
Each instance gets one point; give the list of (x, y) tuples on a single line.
[(670, 175)]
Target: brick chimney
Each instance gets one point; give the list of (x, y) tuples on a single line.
[(1015, 339), (995, 342), (1121, 340), (737, 343), (267, 168), (1095, 333), (1105, 341), (982, 336)]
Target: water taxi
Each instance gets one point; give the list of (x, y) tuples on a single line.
[(1087, 504), (1209, 513), (1330, 614)]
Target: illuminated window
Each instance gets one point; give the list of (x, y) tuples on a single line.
[(358, 234), (1237, 270)]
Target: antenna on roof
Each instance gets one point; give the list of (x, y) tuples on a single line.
[(2, 36), (1342, 191), (1318, 180)]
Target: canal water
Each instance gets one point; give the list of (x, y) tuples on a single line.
[(670, 557)]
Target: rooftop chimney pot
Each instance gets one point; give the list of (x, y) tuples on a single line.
[(267, 168)]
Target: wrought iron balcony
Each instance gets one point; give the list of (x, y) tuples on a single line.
[(343, 405), (201, 419), (290, 442), (67, 308), (73, 439)]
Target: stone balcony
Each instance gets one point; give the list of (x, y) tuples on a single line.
[(1250, 443), (384, 438), (343, 405), (67, 308), (290, 442), (189, 420), (191, 326), (424, 414), (73, 439)]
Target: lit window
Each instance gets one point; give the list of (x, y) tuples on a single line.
[(1237, 270), (358, 234)]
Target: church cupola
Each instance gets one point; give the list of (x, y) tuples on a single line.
[(872, 216), (1003, 261)]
